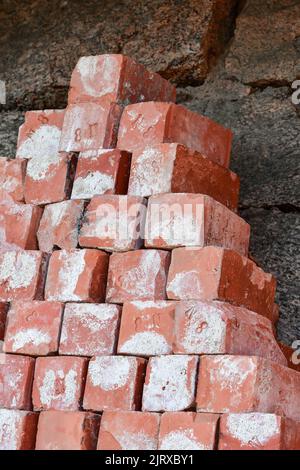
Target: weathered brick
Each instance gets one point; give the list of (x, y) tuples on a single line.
[(33, 328), (188, 431), (292, 355), (3, 315), (173, 168), (170, 383), (147, 328), (102, 171), (89, 329), (17, 429), (213, 273), (22, 275), (59, 226), (90, 126), (111, 78), (58, 383), (145, 124), (114, 223), (12, 176), (16, 375), (114, 383), (137, 275), (128, 430), (175, 220), (67, 430), (77, 275)]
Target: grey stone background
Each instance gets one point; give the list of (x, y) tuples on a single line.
[(232, 60)]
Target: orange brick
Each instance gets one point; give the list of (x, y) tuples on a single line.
[(175, 220), (33, 328), (114, 223), (58, 383), (170, 383), (114, 383), (77, 275), (102, 171), (67, 430), (12, 176), (22, 275), (147, 328), (16, 374), (116, 78), (213, 273), (145, 124), (206, 327), (188, 431), (258, 431), (90, 126), (3, 315), (59, 225), (173, 168), (128, 430), (243, 384), (17, 429), (89, 329)]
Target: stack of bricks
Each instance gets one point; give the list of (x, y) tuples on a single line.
[(131, 316)]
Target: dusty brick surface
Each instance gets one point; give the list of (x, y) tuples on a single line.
[(17, 429), (12, 176), (16, 375)]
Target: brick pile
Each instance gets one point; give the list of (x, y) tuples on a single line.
[(131, 316)]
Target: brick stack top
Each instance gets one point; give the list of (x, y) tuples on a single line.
[(130, 314)]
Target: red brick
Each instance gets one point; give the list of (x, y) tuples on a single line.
[(12, 176), (175, 220), (18, 224), (137, 275), (145, 124), (17, 429), (243, 384), (90, 126), (22, 275), (213, 273), (205, 327), (58, 383), (114, 223), (166, 168), (147, 328), (3, 315), (188, 431), (67, 430), (33, 328), (114, 383), (77, 275), (292, 355), (170, 383), (128, 430), (59, 225), (49, 179), (116, 78), (40, 134), (101, 171), (16, 374), (89, 329), (258, 431)]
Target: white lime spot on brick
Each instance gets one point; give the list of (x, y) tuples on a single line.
[(254, 429), (185, 285), (32, 336), (17, 269), (181, 440), (147, 343), (110, 373), (94, 183), (135, 441)]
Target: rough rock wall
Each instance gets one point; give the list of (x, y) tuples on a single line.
[(234, 61)]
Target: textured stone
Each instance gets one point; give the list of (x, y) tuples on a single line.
[(17, 429), (16, 375), (10, 121), (67, 430)]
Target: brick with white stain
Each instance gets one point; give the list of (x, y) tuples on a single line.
[(188, 431), (58, 383), (33, 328), (128, 430), (114, 383), (77, 275), (89, 329), (17, 429), (147, 328), (214, 273), (22, 275), (170, 383), (137, 275), (101, 171), (16, 374), (59, 226), (12, 176), (114, 223)]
